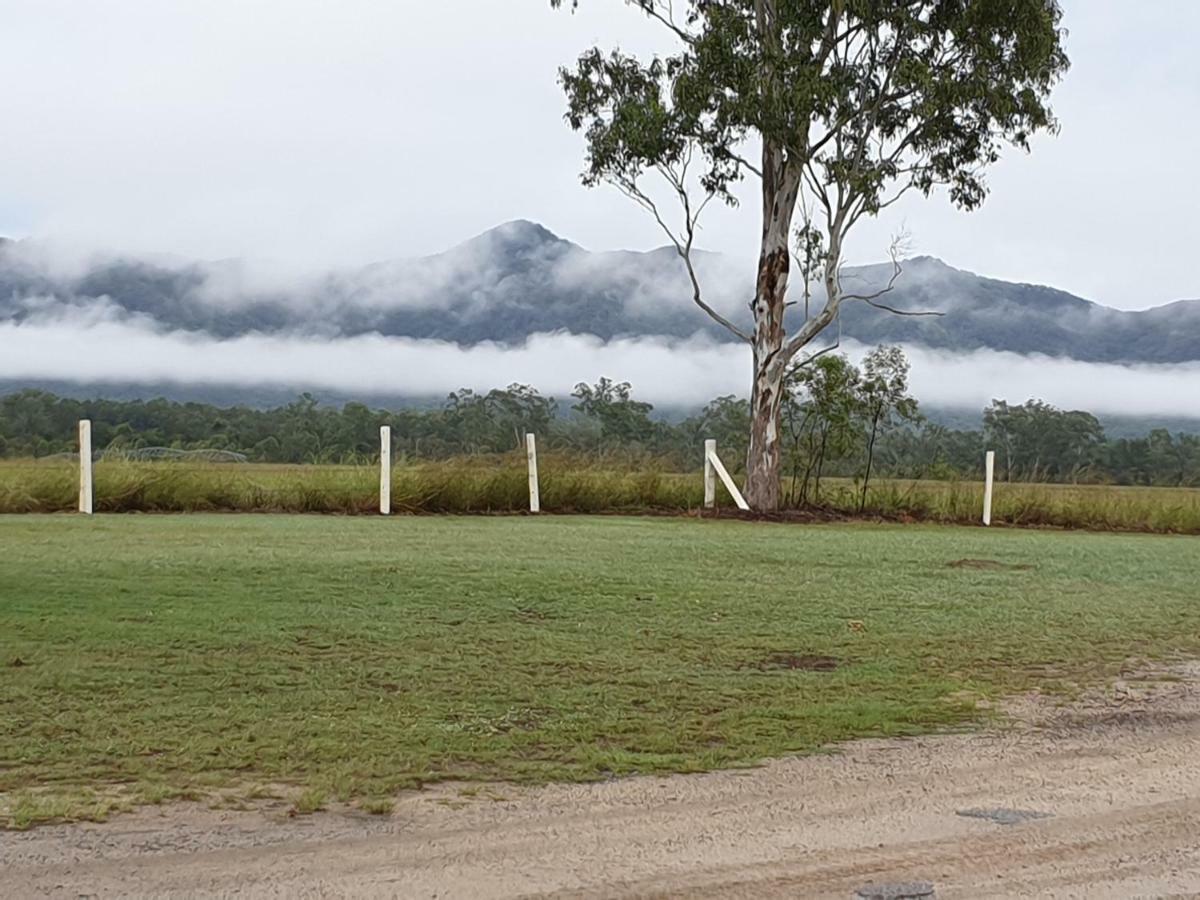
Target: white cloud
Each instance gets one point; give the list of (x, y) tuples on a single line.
[(98, 349), (973, 380)]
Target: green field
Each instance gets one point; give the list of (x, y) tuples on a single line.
[(568, 484), (321, 658)]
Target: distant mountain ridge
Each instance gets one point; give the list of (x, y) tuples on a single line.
[(520, 279)]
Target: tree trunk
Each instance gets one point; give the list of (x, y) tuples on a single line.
[(762, 459), (870, 457), (820, 464), (780, 186), (808, 467)]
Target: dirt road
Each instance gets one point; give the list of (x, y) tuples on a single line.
[(1114, 783)]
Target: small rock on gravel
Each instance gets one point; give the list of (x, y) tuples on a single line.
[(1003, 816), (907, 890)]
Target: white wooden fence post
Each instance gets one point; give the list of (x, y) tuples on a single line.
[(85, 466), (712, 460), (710, 475), (385, 470), (989, 473), (535, 503)]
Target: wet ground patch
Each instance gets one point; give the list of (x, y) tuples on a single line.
[(801, 662), (988, 565)]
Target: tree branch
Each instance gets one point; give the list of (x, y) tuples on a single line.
[(649, 8), (897, 269), (822, 352), (898, 312), (682, 243)]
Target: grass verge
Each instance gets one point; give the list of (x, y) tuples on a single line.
[(143, 659)]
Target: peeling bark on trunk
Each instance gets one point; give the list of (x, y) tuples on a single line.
[(762, 465), (780, 185)]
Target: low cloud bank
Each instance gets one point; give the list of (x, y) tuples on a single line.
[(663, 371)]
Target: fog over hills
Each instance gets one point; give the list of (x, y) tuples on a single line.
[(520, 279), (520, 304)]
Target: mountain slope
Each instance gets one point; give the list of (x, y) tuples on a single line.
[(520, 279)]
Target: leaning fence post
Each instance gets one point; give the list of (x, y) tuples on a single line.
[(385, 470), (989, 473), (723, 474), (535, 503), (710, 475), (85, 466)]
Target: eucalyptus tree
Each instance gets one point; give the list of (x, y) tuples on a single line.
[(823, 421), (837, 108), (1040, 442), (883, 399), (621, 420)]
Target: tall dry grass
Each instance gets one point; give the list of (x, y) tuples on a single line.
[(568, 485), (457, 486)]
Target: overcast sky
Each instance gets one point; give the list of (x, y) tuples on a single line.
[(316, 133)]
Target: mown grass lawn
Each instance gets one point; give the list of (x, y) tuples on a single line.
[(145, 657)]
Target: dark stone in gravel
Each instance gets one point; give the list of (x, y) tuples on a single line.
[(906, 890), (1003, 816)]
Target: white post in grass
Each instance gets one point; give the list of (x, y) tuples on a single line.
[(710, 475), (989, 473), (711, 458), (385, 470), (535, 503), (85, 466)]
